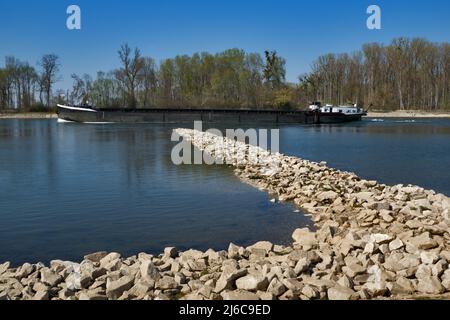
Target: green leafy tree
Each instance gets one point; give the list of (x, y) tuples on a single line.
[(274, 70)]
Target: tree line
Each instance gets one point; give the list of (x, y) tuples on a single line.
[(406, 74), (22, 86), (230, 79)]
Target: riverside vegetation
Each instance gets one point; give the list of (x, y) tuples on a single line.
[(372, 241), (407, 74)]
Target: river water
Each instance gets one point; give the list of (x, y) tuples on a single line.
[(69, 189)]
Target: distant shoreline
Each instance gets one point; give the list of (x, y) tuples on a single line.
[(28, 115), (408, 114), (391, 114)]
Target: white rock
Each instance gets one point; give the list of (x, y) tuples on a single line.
[(237, 295), (92, 296), (305, 238), (423, 241), (327, 196), (369, 248), (423, 272), (114, 289), (353, 270), (396, 244), (430, 285), (380, 238), (110, 261), (233, 251), (429, 257), (439, 267), (149, 271), (170, 252), (364, 196), (96, 257), (41, 295), (252, 282), (4, 266), (166, 283), (4, 296), (345, 281), (342, 293), (376, 284), (264, 245), (49, 277), (265, 296), (310, 292), (73, 281), (227, 278), (24, 271), (276, 287)]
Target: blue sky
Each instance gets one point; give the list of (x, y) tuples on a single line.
[(299, 30)]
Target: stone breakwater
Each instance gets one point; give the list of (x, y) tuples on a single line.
[(371, 241)]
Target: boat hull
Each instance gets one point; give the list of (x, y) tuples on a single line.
[(339, 118), (84, 115)]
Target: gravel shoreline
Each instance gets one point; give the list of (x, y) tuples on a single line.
[(30, 115), (408, 114), (373, 241)]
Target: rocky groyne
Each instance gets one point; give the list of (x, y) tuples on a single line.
[(372, 241)]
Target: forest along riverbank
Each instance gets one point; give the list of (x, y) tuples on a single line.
[(372, 241)]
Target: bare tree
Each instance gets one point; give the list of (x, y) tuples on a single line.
[(149, 82), (397, 56), (129, 73), (28, 79), (50, 68)]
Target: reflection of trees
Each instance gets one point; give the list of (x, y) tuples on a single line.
[(29, 146), (143, 154), (140, 155), (395, 128)]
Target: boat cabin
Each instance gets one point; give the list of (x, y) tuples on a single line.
[(328, 108)]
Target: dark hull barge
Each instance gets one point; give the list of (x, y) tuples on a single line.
[(87, 115)]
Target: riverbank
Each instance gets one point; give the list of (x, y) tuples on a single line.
[(394, 114), (408, 114), (28, 115), (372, 241)]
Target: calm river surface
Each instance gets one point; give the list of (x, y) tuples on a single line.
[(68, 189)]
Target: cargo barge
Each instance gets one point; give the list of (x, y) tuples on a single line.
[(173, 115)]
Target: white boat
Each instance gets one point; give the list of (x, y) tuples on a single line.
[(330, 109)]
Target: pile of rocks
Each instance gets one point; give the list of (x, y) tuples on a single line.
[(371, 241)]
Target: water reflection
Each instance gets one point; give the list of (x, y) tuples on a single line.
[(68, 190)]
